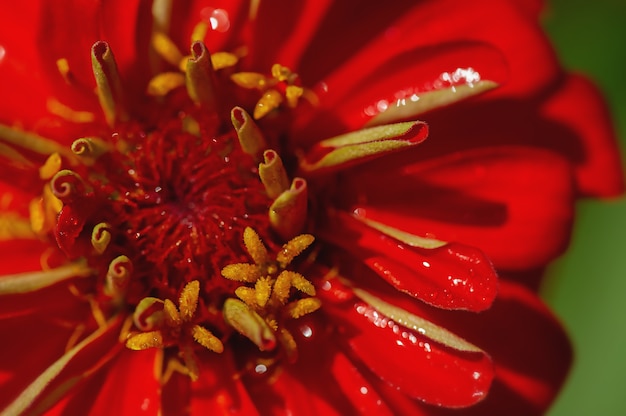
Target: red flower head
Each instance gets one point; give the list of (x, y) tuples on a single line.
[(284, 207)]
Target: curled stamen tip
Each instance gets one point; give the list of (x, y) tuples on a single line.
[(67, 184), (118, 275), (90, 147), (101, 237), (249, 324)]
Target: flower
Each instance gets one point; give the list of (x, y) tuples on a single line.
[(266, 227)]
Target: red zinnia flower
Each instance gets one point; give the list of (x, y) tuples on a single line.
[(264, 228)]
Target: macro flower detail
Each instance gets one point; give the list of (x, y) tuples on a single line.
[(263, 226)]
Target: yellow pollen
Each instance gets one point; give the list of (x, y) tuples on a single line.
[(64, 69), (255, 246), (263, 289), (205, 338), (145, 340), (188, 301), (271, 97), (294, 248), (241, 272), (166, 48), (57, 108), (51, 166), (303, 307), (270, 100), (165, 82), (172, 317)]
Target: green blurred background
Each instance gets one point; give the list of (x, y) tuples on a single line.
[(587, 287)]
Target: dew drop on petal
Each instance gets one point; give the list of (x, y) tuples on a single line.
[(217, 18), (3, 53)]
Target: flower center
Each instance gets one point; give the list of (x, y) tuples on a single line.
[(166, 214)]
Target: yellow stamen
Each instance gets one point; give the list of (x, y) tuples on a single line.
[(281, 73), (247, 295), (221, 60), (44, 211), (166, 48), (172, 317), (199, 31), (263, 289), (273, 174), (206, 338), (241, 272), (270, 100), (249, 80), (164, 83), (294, 248), (255, 246), (303, 307), (188, 301), (293, 94), (57, 108), (64, 69), (12, 226), (145, 340), (302, 284), (288, 213), (282, 286), (51, 166)]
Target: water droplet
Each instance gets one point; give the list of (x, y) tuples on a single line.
[(217, 18), (3, 53)]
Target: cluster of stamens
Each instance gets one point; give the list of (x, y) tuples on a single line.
[(263, 302)]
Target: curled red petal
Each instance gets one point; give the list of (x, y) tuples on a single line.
[(453, 276), (419, 367)]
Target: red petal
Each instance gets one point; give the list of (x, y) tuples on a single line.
[(94, 353), (453, 276), (584, 115), (417, 366), (32, 45), (130, 386), (217, 392), (513, 203), (346, 105)]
